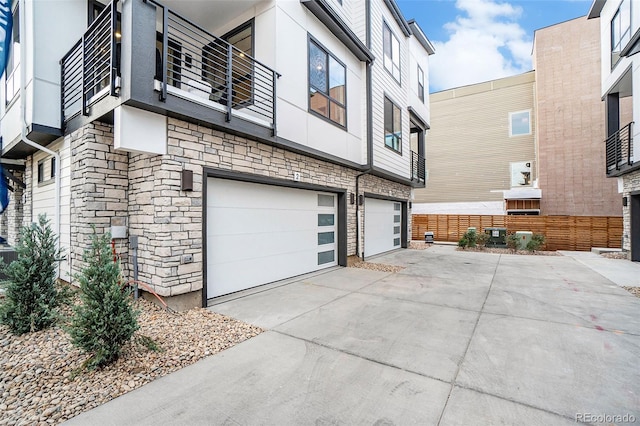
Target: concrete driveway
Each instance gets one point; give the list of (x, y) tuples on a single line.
[(455, 338)]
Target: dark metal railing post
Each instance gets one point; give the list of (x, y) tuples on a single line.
[(165, 52), (629, 145), (274, 97), (85, 112), (112, 65), (229, 81)]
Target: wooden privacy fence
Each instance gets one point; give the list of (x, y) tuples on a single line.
[(561, 232)]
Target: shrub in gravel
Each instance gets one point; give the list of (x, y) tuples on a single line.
[(513, 242), (537, 241), (481, 240), (105, 319), (31, 298)]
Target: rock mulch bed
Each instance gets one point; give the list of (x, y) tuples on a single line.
[(616, 255), (41, 380), (356, 262), (633, 290), (509, 251), (419, 245)]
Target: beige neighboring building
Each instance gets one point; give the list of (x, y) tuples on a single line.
[(571, 122), (481, 144), (477, 163)]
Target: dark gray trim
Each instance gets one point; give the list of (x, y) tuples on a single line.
[(267, 180), (323, 11), (394, 177), (634, 233), (421, 37), (624, 170), (399, 18), (312, 39), (415, 117), (596, 8)]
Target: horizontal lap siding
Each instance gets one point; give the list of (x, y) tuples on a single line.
[(561, 232)]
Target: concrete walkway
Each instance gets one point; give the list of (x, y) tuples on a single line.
[(455, 338)]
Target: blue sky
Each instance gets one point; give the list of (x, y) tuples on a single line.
[(480, 40)]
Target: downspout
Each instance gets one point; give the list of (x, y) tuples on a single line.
[(369, 164), (23, 110)]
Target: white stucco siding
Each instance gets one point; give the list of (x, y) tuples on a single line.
[(294, 24), (385, 84)]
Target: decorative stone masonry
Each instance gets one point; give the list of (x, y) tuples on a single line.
[(14, 215), (99, 186), (143, 192), (631, 182)]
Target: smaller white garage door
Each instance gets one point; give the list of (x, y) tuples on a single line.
[(257, 234), (382, 226)]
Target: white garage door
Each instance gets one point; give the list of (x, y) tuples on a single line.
[(382, 226), (257, 234)]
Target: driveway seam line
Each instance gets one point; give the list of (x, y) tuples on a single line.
[(480, 391), (466, 350), (375, 361)]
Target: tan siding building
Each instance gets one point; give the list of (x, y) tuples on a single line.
[(471, 144), (571, 122)]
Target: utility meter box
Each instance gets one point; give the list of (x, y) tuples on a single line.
[(497, 237), (428, 237), (523, 238)]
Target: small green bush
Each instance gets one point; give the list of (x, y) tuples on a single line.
[(471, 236), (513, 242), (537, 241), (463, 242), (482, 239), (105, 320), (31, 298)]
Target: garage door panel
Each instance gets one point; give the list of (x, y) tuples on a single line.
[(259, 233), (382, 226)]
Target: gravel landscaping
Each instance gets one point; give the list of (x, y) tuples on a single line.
[(633, 290), (509, 251), (42, 380)]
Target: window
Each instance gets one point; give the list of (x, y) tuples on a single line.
[(327, 79), (620, 31), (391, 52), (12, 83), (420, 84), (53, 167), (392, 126), (519, 123), (41, 171)]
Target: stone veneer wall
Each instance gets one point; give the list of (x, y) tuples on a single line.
[(631, 182), (14, 215), (144, 192), (99, 185)]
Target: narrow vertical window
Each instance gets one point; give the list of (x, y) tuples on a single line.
[(391, 47), (53, 167), (620, 31), (420, 84), (12, 82), (392, 126)]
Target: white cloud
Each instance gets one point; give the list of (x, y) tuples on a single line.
[(485, 42)]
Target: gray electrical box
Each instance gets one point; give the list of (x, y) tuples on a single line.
[(428, 237), (497, 237)]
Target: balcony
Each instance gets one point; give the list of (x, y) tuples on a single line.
[(418, 172), (619, 151), (196, 75)]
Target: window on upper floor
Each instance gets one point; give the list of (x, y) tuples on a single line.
[(420, 84), (52, 173), (40, 173), (391, 47), (392, 126), (12, 82), (620, 30), (520, 123), (327, 85)]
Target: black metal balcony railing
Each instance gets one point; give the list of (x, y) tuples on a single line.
[(89, 69), (619, 148), (212, 69), (417, 167)]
